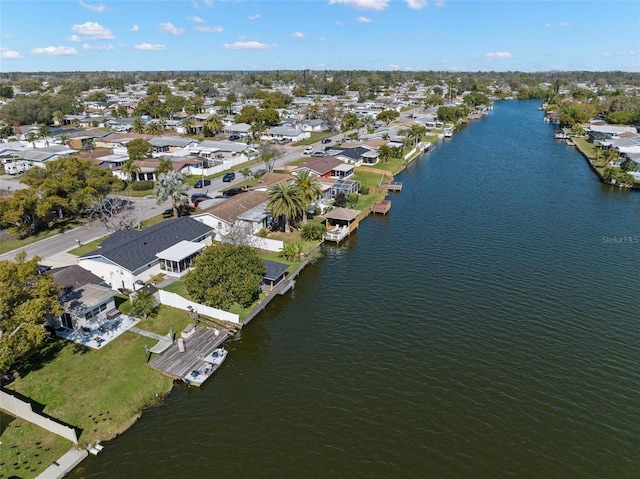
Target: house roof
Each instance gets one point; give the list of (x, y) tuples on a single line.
[(180, 251), (239, 127), (133, 249), (344, 214), (274, 270), (224, 145), (231, 209), (162, 141), (73, 276), (86, 296), (321, 166)]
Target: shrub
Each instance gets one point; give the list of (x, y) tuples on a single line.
[(340, 200), (313, 231), (364, 190), (291, 251), (142, 185), (353, 198)]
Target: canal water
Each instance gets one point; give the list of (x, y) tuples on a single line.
[(488, 327)]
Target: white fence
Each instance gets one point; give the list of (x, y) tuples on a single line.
[(228, 163), (175, 300), (19, 408)]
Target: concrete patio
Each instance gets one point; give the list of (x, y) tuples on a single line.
[(99, 336)]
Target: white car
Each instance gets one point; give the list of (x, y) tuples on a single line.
[(308, 150)]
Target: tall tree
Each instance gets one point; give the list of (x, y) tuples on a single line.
[(164, 166), (138, 125), (139, 149), (308, 191), (26, 297), (284, 202), (172, 186), (225, 274), (143, 303), (213, 123)]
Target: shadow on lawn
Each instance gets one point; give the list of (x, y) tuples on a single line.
[(48, 353)]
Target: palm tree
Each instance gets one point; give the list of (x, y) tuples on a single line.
[(597, 151), (153, 128), (44, 132), (171, 185), (284, 201), (58, 117), (385, 152), (213, 123), (188, 123), (164, 166), (610, 154), (130, 168), (246, 173), (308, 191), (138, 125), (416, 131), (143, 303)]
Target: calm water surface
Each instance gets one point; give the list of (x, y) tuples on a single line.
[(487, 328)]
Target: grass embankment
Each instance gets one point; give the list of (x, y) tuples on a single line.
[(589, 151), (101, 392), (15, 243)]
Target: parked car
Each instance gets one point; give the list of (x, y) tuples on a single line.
[(283, 141), (202, 183), (234, 137), (326, 140), (308, 150), (319, 153), (232, 192), (197, 201), (229, 177), (195, 196)]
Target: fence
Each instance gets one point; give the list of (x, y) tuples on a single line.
[(175, 300), (228, 164), (22, 409)]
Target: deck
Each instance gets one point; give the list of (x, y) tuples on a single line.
[(382, 206), (199, 345), (394, 186)]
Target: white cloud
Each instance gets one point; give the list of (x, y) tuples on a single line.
[(54, 51), (9, 54), (208, 3), (170, 28), (73, 38), (363, 4), (439, 3), (195, 19), (394, 67), (297, 35), (417, 4), (7, 35), (339, 23), (492, 55), (249, 46), (557, 25), (93, 31), (254, 17), (363, 20), (87, 46), (206, 28), (94, 8), (135, 28), (619, 54), (148, 46), (322, 39), (195, 5)]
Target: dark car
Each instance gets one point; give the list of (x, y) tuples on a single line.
[(229, 177), (197, 201), (202, 183), (234, 137), (195, 196), (232, 192), (326, 140)]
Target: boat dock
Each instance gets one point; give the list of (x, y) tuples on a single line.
[(382, 206), (199, 344), (394, 186)]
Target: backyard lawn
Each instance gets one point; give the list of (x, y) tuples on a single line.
[(84, 388)]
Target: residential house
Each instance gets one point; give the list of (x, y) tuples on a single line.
[(170, 144), (314, 125), (86, 300), (327, 167), (240, 129), (245, 213), (286, 133), (127, 258)]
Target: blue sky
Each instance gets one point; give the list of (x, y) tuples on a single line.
[(409, 35)]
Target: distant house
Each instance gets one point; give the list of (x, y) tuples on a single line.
[(240, 129), (359, 155), (286, 133), (169, 144), (127, 258), (327, 167), (314, 125)]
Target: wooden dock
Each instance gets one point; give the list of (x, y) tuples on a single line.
[(197, 346), (382, 206), (394, 186)]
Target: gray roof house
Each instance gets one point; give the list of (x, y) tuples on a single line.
[(129, 258)]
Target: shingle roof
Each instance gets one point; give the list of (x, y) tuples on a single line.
[(274, 270), (133, 249)]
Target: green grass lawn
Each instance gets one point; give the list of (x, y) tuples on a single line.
[(315, 137), (101, 392), (86, 248), (166, 317), (371, 180)]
